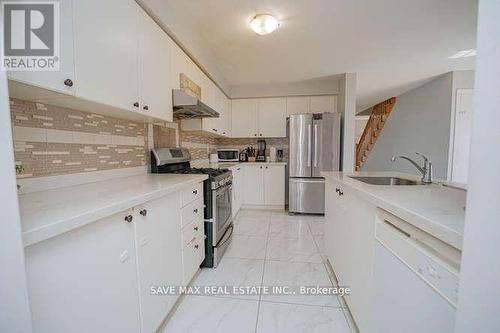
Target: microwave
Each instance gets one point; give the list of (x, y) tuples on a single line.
[(228, 155)]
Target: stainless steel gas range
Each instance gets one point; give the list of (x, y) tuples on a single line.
[(217, 196)]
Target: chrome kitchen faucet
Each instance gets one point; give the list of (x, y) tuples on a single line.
[(425, 170)]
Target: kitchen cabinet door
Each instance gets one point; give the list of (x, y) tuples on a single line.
[(106, 52), (272, 117), (274, 185), (244, 118), (298, 104), (85, 280), (159, 258), (321, 104), (155, 50), (55, 80), (179, 65), (237, 190), (228, 115), (253, 185)]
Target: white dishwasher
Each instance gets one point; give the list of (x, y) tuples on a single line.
[(415, 279)]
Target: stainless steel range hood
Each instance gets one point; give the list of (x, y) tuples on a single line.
[(188, 107)]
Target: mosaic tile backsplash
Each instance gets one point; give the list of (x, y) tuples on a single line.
[(51, 140)]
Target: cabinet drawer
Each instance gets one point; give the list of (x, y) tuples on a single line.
[(191, 193), (192, 256), (191, 231), (191, 212)]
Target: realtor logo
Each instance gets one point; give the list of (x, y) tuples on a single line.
[(31, 35)]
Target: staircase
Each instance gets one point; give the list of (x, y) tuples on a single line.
[(374, 127)]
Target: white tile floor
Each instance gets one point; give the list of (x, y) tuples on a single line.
[(268, 248)]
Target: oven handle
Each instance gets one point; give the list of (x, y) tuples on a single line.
[(221, 242)]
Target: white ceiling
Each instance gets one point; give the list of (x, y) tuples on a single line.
[(393, 45)]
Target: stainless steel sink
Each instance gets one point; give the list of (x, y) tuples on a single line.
[(391, 181)]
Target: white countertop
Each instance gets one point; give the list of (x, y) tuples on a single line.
[(230, 165), (50, 213), (435, 209)]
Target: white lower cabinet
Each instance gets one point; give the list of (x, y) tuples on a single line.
[(350, 243), (264, 185), (98, 278), (193, 232), (253, 185), (238, 178), (274, 185), (85, 280), (157, 230)]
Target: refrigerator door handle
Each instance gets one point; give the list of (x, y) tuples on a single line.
[(309, 130), (315, 145)]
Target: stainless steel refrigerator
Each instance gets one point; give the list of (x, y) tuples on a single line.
[(314, 143)]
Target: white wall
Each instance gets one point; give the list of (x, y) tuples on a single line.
[(14, 307), (324, 86), (420, 121), (347, 107), (479, 293)]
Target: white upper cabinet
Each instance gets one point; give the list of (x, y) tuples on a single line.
[(179, 65), (106, 52), (155, 76), (298, 104), (62, 80), (272, 117), (244, 118), (321, 104)]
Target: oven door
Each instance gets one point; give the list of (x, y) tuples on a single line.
[(222, 201)]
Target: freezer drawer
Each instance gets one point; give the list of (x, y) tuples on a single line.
[(306, 195)]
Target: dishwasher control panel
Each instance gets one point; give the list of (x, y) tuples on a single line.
[(432, 260)]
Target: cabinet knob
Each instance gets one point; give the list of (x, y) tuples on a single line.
[(337, 189), (145, 107), (196, 246), (129, 218), (255, 135), (261, 167), (223, 132), (260, 134), (136, 104), (196, 228), (266, 167), (143, 212), (195, 210), (195, 191), (68, 82), (341, 193)]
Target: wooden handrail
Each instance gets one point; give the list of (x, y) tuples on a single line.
[(374, 126)]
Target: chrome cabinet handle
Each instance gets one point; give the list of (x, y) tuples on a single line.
[(129, 218), (143, 212), (68, 82)]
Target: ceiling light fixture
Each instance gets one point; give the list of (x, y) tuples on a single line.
[(464, 54), (264, 24)]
